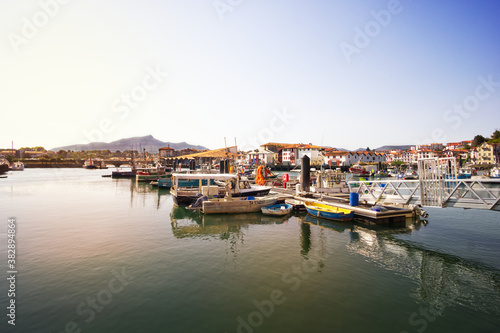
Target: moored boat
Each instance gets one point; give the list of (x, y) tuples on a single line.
[(358, 171), (495, 173), (123, 174), (17, 166), (329, 211), (152, 173), (231, 205), (279, 209), (224, 183), (94, 164), (168, 183)]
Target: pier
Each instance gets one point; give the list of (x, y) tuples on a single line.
[(439, 185), (392, 214), (459, 193)]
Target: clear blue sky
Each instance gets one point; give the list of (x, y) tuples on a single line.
[(337, 73)]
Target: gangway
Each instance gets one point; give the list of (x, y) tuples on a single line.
[(438, 186)]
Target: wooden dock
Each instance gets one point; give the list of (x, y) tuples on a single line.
[(363, 211)]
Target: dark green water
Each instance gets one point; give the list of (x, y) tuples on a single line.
[(102, 255)]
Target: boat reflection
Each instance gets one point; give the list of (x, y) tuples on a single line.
[(140, 192), (329, 224), (442, 280), (192, 224)]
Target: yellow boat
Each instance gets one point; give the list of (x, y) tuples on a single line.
[(329, 211)]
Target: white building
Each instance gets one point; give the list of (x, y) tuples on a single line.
[(261, 156)]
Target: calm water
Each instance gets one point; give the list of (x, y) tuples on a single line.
[(102, 255)]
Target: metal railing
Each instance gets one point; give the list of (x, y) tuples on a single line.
[(438, 186)]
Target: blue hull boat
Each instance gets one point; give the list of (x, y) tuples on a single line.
[(329, 212)]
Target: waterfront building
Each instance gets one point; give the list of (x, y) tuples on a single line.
[(410, 156), (427, 153), (261, 156), (313, 152), (393, 156), (167, 152), (335, 158), (486, 153), (353, 157), (436, 146), (454, 145)]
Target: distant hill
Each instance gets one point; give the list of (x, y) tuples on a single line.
[(402, 147), (148, 142)]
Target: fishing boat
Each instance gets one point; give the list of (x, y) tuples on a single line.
[(328, 211), (219, 185), (123, 173), (358, 171), (168, 183), (279, 209), (17, 166), (495, 173), (464, 173), (4, 165), (230, 205), (94, 164), (410, 174), (152, 173)]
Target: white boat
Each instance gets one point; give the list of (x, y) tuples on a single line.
[(464, 173), (277, 210), (215, 185), (17, 166), (359, 171), (495, 173), (232, 205), (410, 174)]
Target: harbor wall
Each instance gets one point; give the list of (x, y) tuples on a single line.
[(52, 164)]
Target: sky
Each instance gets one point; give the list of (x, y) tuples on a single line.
[(344, 74)]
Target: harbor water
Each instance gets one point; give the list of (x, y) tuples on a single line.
[(106, 255)]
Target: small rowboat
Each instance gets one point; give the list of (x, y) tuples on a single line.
[(329, 211), (280, 209)]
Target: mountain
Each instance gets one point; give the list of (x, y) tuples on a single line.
[(137, 143), (402, 147)]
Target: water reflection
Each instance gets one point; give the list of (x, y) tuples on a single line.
[(142, 191), (305, 238), (442, 280), (186, 223), (329, 224)]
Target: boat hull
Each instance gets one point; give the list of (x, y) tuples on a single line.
[(184, 201), (167, 183), (236, 205), (123, 174), (357, 172), (148, 178), (329, 212), (277, 210)]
